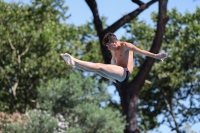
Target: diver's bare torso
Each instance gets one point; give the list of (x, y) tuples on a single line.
[(123, 57)]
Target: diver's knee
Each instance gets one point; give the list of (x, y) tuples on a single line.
[(98, 67)]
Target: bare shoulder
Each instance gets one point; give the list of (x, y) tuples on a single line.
[(127, 45)]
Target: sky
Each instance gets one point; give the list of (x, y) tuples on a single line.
[(115, 9)]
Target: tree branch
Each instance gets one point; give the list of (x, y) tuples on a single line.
[(140, 3), (168, 120), (97, 21), (14, 88), (99, 28), (146, 67), (127, 18), (25, 51), (11, 45), (170, 109)]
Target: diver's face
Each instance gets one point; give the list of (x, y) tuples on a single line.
[(112, 46)]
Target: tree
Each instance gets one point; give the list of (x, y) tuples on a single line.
[(178, 84), (172, 87), (129, 92), (45, 29), (72, 105), (34, 60), (32, 38)]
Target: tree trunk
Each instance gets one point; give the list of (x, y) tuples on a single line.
[(129, 92), (129, 101)]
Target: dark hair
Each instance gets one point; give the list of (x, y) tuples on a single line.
[(109, 38)]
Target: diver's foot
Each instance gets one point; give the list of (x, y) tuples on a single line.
[(68, 59)]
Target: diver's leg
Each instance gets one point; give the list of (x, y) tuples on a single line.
[(114, 72)]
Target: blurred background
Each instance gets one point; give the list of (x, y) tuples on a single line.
[(39, 93)]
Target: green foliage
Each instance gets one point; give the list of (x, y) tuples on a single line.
[(65, 94), (32, 38), (92, 119), (188, 129), (88, 48), (72, 105), (38, 122), (79, 100), (173, 87)]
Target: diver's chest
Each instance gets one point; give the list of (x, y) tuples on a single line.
[(120, 55)]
